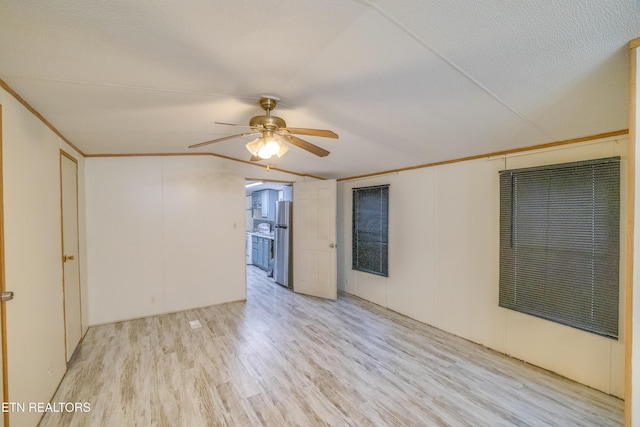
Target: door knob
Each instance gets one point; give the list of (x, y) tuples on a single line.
[(67, 258), (332, 245)]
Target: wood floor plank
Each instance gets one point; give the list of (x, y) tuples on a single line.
[(283, 359)]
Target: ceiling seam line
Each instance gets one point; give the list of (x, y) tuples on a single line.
[(453, 65), (121, 86)]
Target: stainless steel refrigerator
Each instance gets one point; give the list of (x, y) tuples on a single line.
[(282, 264)]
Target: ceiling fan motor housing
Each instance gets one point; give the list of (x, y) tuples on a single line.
[(267, 122)]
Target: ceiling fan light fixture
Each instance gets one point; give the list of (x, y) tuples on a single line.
[(264, 152), (272, 146), (255, 145), (267, 146), (283, 149)]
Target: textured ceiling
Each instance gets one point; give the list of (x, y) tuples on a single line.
[(402, 82)]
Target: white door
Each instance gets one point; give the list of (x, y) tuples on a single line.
[(3, 304), (314, 238), (71, 271)]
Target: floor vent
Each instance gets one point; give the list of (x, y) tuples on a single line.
[(195, 324)]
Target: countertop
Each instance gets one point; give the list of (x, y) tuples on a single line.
[(255, 233)]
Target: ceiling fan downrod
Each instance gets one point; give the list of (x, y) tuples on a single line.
[(268, 103)]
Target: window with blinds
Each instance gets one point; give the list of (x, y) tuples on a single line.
[(559, 243), (370, 240)]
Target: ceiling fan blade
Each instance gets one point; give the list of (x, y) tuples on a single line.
[(202, 144), (301, 143), (312, 132), (231, 124)]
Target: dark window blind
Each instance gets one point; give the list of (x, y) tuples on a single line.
[(559, 243), (370, 242)]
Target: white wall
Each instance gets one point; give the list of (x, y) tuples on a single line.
[(444, 263), (165, 233), (33, 256)]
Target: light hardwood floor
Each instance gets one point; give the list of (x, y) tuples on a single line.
[(282, 359)]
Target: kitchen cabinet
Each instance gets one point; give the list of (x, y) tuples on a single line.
[(265, 255), (261, 250), (264, 204), (287, 194), (256, 199), (254, 250)]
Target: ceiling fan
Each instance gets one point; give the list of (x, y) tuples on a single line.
[(274, 133)]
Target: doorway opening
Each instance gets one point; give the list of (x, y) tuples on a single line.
[(268, 208)]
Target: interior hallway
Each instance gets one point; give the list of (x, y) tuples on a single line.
[(285, 359)]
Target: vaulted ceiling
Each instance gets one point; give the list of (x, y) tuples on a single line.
[(403, 83)]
